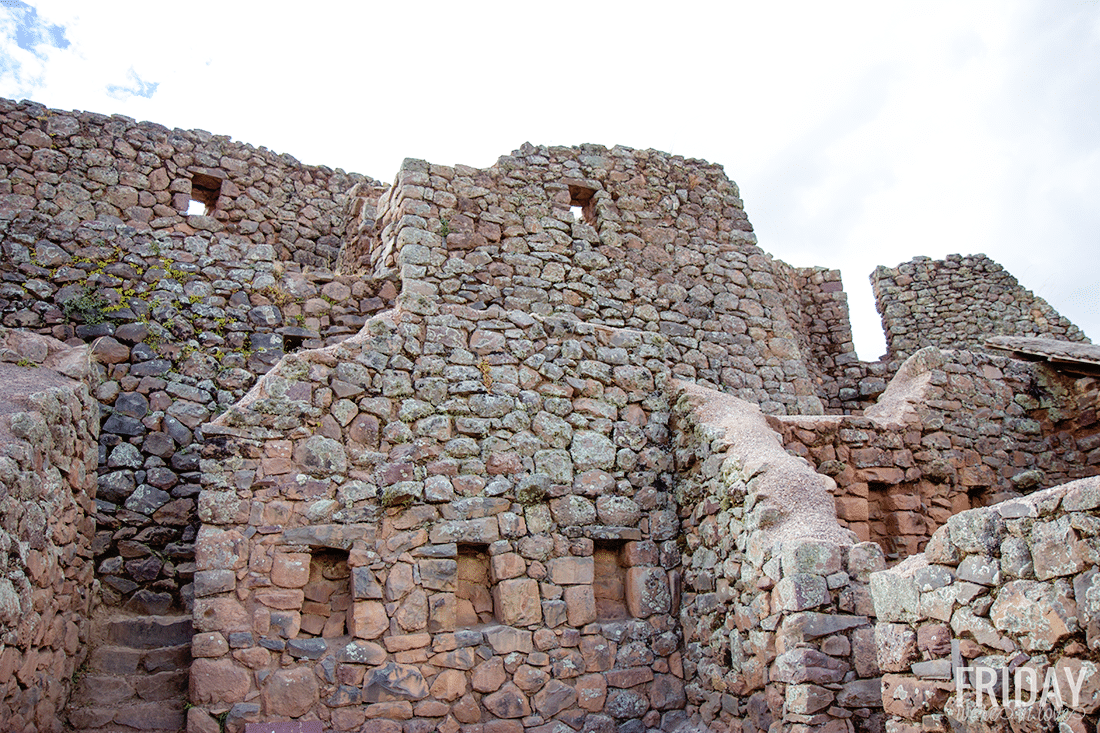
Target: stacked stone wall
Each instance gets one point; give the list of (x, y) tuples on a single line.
[(660, 244), (181, 325), (776, 614), (81, 166), (957, 430), (184, 311), (480, 509), (1004, 597), (48, 428), (819, 308), (956, 303), (414, 519)]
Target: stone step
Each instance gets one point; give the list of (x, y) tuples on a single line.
[(101, 690), (136, 677), (148, 717), (149, 632), (112, 659), (104, 690)]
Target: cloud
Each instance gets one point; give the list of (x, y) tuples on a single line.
[(136, 87), (31, 41), (31, 31)]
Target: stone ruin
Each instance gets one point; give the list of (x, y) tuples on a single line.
[(550, 446)]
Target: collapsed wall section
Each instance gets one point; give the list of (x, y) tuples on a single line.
[(415, 518), (957, 303), (620, 237), (48, 428)]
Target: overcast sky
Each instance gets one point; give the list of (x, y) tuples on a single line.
[(859, 133)]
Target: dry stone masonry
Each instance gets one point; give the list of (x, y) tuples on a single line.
[(918, 457), (424, 520), (549, 446), (920, 305), (997, 620), (659, 244), (49, 423)]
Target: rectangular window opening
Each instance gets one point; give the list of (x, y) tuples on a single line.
[(473, 597), (582, 203), (205, 190), (609, 586), (327, 594)]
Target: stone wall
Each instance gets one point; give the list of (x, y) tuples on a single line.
[(776, 613), (460, 518), (181, 324), (184, 311), (815, 297), (486, 480), (48, 428), (1003, 594), (953, 430), (81, 166), (957, 303), (620, 237)]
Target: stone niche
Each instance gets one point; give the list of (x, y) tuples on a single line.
[(473, 598), (609, 582), (327, 594)]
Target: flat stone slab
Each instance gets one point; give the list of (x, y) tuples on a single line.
[(1072, 356), (295, 726)]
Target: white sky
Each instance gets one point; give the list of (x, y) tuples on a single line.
[(859, 133)]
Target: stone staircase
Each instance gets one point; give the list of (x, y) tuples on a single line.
[(135, 678)]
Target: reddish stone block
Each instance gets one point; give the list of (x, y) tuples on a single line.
[(517, 602), (647, 592), (218, 681), (290, 569)]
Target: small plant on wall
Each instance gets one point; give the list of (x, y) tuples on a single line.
[(88, 307)]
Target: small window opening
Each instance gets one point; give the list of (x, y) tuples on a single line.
[(327, 594), (609, 586), (293, 342), (205, 190), (582, 203), (474, 601)]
